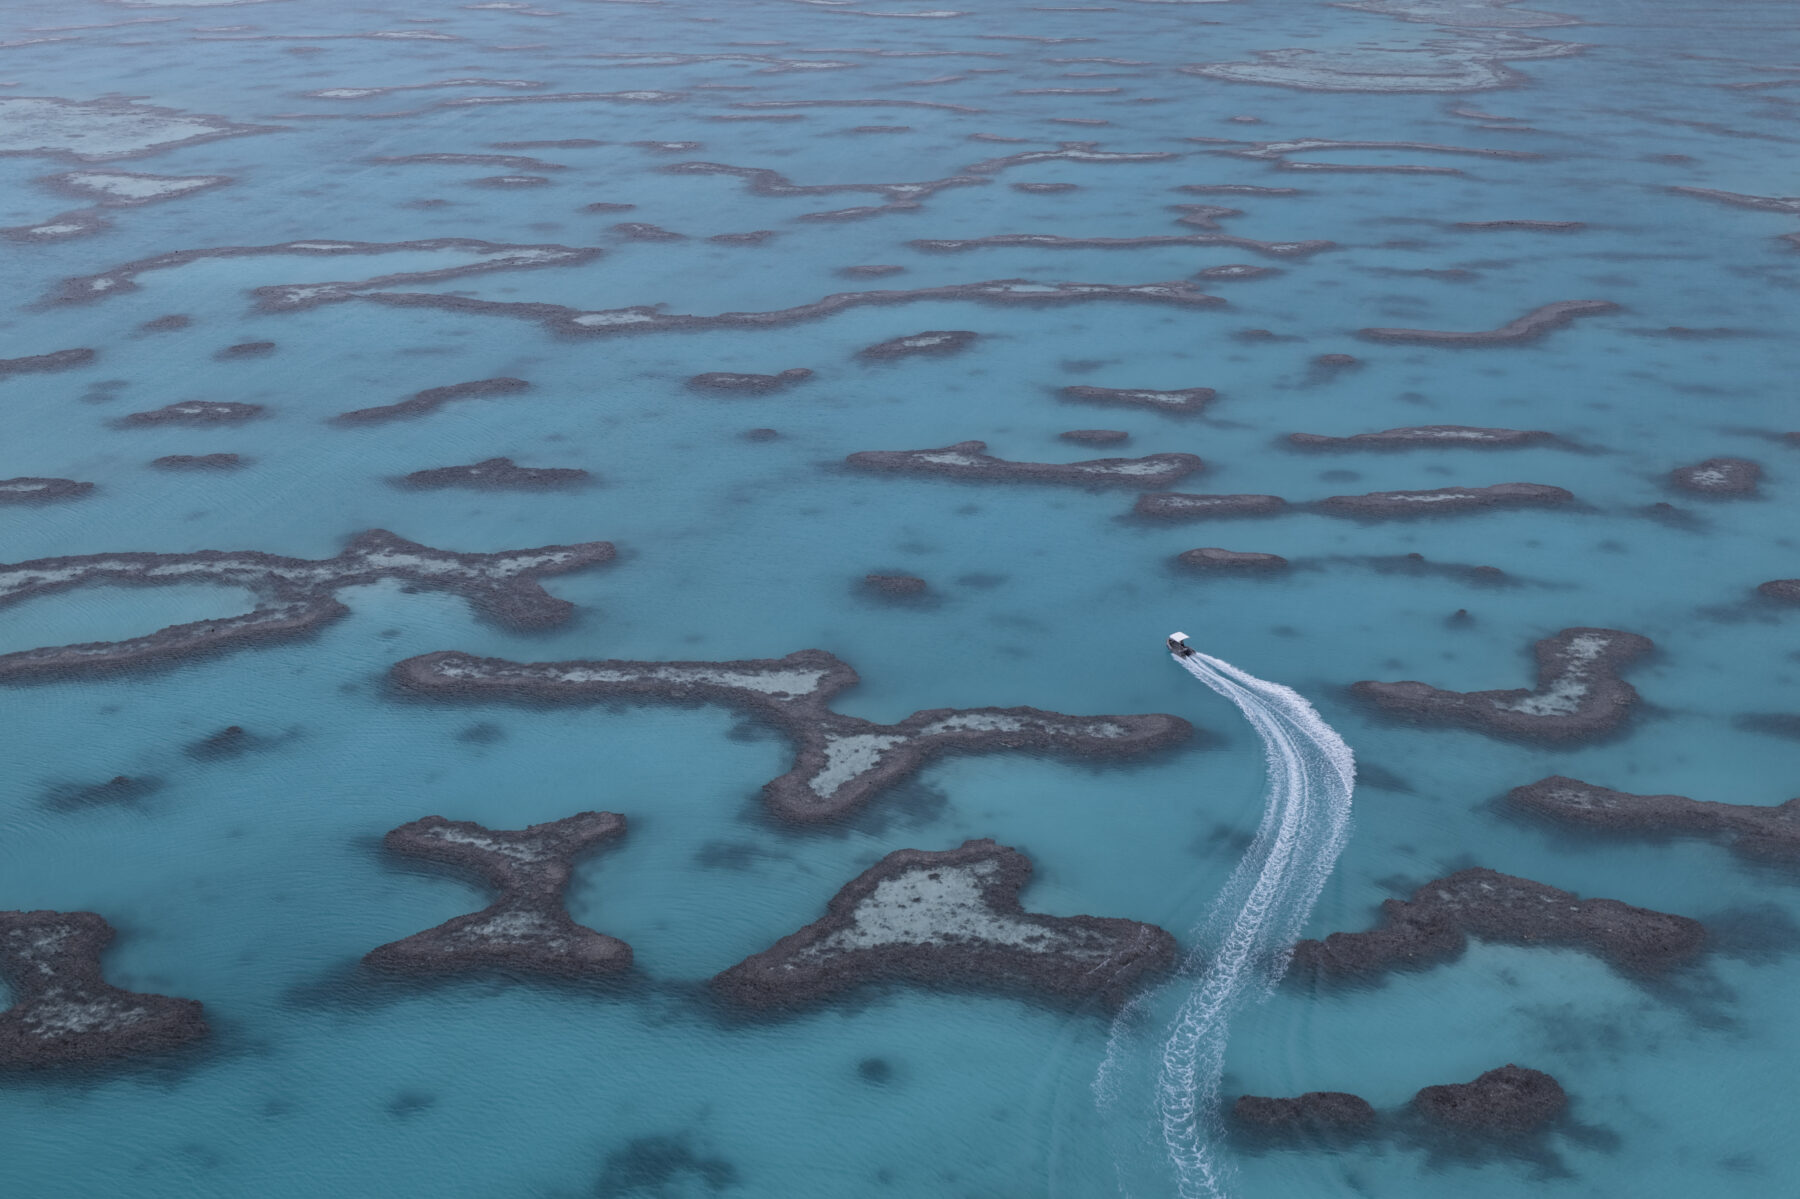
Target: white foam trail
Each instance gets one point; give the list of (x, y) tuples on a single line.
[(1243, 946)]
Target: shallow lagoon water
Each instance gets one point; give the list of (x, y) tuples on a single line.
[(255, 883)]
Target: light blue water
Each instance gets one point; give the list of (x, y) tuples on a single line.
[(255, 884)]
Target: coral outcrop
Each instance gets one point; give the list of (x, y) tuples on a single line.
[(967, 460), (294, 595), (840, 762), (527, 929), (1579, 695), (950, 918), (64, 1011), (1435, 924)]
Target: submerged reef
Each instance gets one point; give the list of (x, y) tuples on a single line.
[(1235, 270), (64, 1011), (1079, 152), (1751, 830), (1051, 241), (1436, 923), (895, 586), (430, 400), (1184, 401), (762, 181), (1530, 327), (294, 595), (126, 189), (1470, 62), (482, 256), (1782, 591), (1579, 695), (495, 474), (1278, 151), (1521, 226), (199, 462), (1212, 558), (1510, 1099), (733, 381), (1718, 476), (936, 342), (1095, 436), (106, 129), (966, 460), (62, 226), (56, 360), (1176, 505), (245, 349), (1504, 1102), (1441, 500), (195, 412), (527, 929), (840, 762), (32, 489), (1314, 1115), (642, 231), (1786, 204), (1424, 435), (649, 318), (950, 918), (106, 190)]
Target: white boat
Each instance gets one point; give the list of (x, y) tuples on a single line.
[(1178, 645)]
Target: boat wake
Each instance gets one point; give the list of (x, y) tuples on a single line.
[(1242, 947)]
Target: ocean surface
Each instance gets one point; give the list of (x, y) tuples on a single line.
[(256, 883)]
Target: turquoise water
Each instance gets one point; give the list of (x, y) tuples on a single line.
[(256, 883)]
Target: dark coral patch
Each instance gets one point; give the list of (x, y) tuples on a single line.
[(1316, 1115), (840, 761), (1522, 226), (512, 181), (967, 460), (31, 489), (64, 1012), (1435, 924), (56, 360), (1511, 1099), (1752, 831), (196, 412), (121, 790), (431, 399), (295, 596), (1183, 401), (1219, 560), (895, 586), (246, 349), (950, 918), (199, 462), (735, 382), (936, 342), (1444, 501), (1095, 436), (1528, 328), (495, 474), (1718, 476), (640, 231), (527, 929), (1424, 435), (1177, 505), (1579, 694)]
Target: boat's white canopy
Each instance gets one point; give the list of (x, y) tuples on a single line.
[(1178, 637)]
